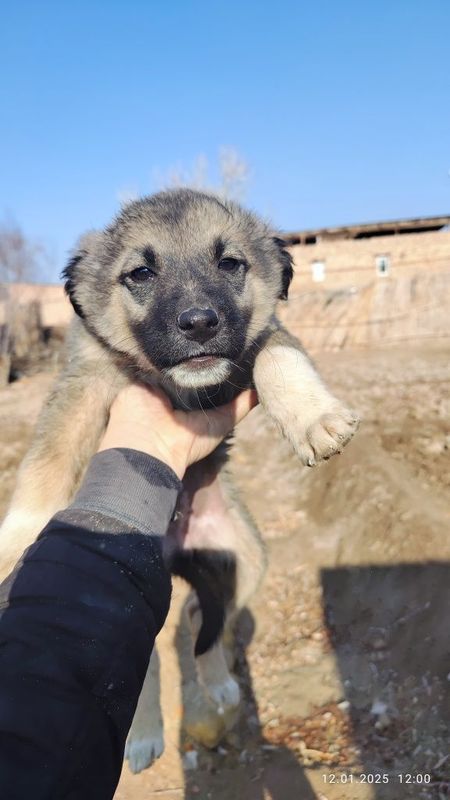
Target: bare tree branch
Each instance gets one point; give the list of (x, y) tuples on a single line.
[(21, 260), (234, 175)]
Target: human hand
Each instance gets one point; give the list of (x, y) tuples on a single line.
[(142, 418)]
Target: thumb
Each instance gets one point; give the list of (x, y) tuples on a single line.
[(223, 419), (211, 427), (244, 403)]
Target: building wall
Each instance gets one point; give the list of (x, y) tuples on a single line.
[(54, 307), (352, 262)]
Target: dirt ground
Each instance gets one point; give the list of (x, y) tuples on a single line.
[(343, 656)]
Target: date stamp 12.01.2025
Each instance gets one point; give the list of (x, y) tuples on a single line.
[(412, 778)]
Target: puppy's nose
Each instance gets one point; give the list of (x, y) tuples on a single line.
[(199, 324)]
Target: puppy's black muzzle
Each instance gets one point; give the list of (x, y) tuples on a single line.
[(198, 324)]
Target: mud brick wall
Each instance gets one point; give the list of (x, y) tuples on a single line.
[(352, 262)]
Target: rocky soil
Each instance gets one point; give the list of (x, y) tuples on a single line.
[(343, 656)]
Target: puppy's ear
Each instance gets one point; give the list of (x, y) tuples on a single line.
[(69, 274), (287, 270), (76, 265)]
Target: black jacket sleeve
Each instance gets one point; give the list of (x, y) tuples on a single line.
[(78, 620)]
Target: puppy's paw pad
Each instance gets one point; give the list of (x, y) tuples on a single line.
[(224, 695), (331, 432), (142, 752)]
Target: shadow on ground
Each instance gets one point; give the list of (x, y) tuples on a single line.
[(248, 766), (389, 629)]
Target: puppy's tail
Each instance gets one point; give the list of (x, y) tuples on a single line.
[(212, 573)]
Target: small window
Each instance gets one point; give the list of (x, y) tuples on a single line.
[(383, 265), (318, 271)]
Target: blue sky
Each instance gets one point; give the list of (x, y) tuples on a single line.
[(341, 109)]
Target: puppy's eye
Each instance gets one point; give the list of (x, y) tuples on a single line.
[(229, 264), (141, 274)]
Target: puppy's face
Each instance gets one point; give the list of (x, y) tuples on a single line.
[(182, 283)]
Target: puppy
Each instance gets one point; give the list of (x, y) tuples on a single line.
[(179, 291)]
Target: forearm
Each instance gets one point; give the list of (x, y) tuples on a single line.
[(79, 619)]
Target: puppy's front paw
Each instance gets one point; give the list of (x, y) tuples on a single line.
[(142, 751), (326, 435)]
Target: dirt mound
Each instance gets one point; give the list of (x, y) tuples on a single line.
[(386, 312)]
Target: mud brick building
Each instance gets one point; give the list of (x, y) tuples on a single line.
[(355, 255)]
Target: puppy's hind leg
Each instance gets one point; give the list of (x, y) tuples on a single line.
[(213, 668), (67, 433), (145, 741), (231, 558)]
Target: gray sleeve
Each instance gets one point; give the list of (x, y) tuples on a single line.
[(130, 487)]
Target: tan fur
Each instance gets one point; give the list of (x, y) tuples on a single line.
[(67, 435), (145, 742), (316, 423)]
